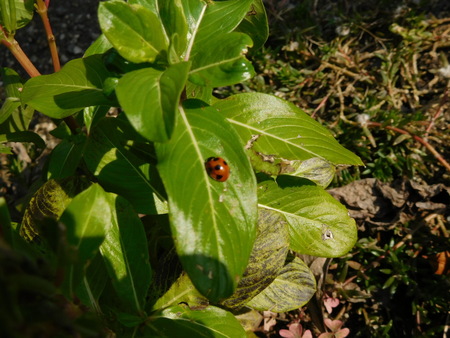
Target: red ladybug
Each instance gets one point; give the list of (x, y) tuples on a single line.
[(217, 168)]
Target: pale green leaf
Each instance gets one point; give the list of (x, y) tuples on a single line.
[(292, 289), (49, 202), (211, 221), (267, 258), (318, 224), (181, 321), (272, 126)]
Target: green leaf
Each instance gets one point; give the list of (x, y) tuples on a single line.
[(224, 63), (65, 158), (150, 99), (100, 46), (202, 93), (13, 116), (24, 136), (135, 31), (180, 321), (267, 258), (16, 16), (213, 223), (292, 289), (211, 20), (5, 222), (314, 169), (126, 256), (152, 5), (79, 84), (255, 24), (272, 126), (182, 290), (174, 20), (110, 158), (318, 224), (92, 115), (49, 202), (5, 150), (93, 284), (87, 219)]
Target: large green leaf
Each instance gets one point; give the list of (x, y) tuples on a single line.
[(292, 289), (182, 290), (213, 223), (15, 14), (49, 202), (267, 258), (181, 321), (272, 126), (255, 24), (79, 84), (126, 256), (175, 24), (99, 46), (87, 220), (93, 284), (13, 116), (211, 22), (135, 31), (110, 158), (23, 136), (66, 156), (220, 61), (318, 224), (150, 99)]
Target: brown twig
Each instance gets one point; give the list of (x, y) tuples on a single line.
[(21, 57), (41, 9), (417, 138), (438, 112)]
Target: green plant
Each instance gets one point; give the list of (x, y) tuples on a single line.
[(204, 249), (385, 61)]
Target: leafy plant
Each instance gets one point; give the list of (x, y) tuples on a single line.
[(126, 217)]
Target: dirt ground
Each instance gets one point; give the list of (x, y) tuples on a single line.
[(74, 25)]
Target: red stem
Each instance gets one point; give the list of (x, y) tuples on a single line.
[(417, 138)]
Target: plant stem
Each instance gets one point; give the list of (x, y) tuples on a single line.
[(438, 111), (19, 54), (418, 139), (41, 9)]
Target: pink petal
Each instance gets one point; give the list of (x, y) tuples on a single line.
[(342, 333), (286, 334), (333, 325), (307, 334), (326, 335)]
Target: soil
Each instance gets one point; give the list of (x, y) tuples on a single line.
[(75, 26)]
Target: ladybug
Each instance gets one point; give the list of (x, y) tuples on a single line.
[(217, 168)]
